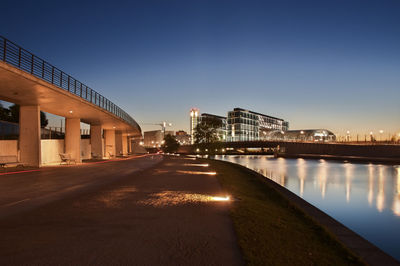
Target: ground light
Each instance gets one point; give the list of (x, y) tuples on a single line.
[(227, 198), (196, 172), (197, 164)]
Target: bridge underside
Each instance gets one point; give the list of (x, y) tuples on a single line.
[(35, 95), (19, 87)]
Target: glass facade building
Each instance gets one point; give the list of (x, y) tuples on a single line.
[(221, 131), (245, 125), (315, 135)]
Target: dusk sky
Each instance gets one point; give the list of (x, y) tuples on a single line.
[(316, 64)]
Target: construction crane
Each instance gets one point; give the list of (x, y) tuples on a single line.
[(163, 125)]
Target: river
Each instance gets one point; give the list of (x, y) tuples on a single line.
[(364, 197)]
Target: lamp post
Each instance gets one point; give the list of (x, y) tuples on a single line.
[(380, 132), (348, 135)]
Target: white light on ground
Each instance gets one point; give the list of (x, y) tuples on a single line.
[(227, 198), (196, 172), (197, 164)]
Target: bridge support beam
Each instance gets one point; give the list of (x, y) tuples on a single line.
[(109, 139), (96, 141), (73, 138), (118, 142), (29, 135)]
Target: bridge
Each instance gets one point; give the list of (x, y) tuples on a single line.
[(36, 85), (307, 148)]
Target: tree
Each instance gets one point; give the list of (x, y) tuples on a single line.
[(170, 144), (207, 130), (4, 113), (14, 116), (206, 135)]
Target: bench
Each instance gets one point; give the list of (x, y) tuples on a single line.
[(66, 158), (96, 156), (9, 159)]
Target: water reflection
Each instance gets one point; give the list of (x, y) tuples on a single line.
[(322, 176), (396, 198), (380, 198), (301, 173), (370, 184), (364, 197)]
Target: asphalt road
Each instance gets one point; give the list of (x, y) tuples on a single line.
[(143, 211), (27, 190)]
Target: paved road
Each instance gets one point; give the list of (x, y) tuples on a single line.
[(165, 215), (24, 191)]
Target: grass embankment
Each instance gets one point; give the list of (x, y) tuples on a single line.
[(271, 230)]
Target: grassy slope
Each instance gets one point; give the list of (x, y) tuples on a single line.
[(270, 230)]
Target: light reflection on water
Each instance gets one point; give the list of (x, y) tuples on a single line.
[(364, 197)]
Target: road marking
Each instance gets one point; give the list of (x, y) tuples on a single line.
[(15, 203), (19, 172)]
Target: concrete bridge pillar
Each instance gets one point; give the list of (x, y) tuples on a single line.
[(125, 145), (73, 138), (96, 141), (129, 145), (109, 139), (118, 142), (29, 135)]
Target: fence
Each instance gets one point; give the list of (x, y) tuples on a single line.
[(14, 55)]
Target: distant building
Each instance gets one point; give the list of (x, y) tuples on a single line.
[(194, 120), (154, 138), (316, 135), (182, 137), (221, 131), (245, 125)]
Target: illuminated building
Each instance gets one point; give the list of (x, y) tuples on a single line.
[(322, 135), (155, 138), (194, 120), (182, 137), (245, 125), (222, 130)]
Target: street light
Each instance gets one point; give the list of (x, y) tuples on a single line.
[(380, 132)]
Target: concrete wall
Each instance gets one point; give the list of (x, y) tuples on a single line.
[(9, 147), (50, 149), (85, 149)]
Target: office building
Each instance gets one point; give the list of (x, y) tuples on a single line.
[(154, 138), (194, 120), (222, 130), (182, 137), (245, 125)]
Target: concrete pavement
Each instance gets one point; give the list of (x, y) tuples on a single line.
[(173, 213)]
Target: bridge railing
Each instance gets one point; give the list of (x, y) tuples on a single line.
[(15, 55)]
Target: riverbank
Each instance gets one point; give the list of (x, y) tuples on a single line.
[(357, 159), (277, 226)]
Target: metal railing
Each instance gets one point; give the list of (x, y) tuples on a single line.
[(15, 55)]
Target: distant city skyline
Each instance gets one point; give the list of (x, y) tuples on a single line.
[(316, 64)]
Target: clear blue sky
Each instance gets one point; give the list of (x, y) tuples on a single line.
[(330, 64)]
